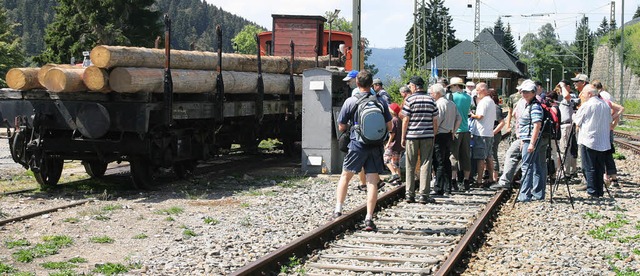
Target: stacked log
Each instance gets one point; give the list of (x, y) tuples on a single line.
[(23, 78), (151, 80), (105, 56), (132, 69), (96, 79), (59, 79)]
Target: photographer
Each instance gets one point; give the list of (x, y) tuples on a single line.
[(568, 106)]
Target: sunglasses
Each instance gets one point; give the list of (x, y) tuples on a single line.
[(523, 91)]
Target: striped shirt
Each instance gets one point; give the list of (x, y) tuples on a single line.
[(594, 119), (448, 115), (421, 110), (531, 114)]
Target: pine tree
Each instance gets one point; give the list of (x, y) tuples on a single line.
[(603, 29), (79, 25), (637, 14), (11, 54), (509, 42), (434, 15)]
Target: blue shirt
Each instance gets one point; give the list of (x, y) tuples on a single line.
[(347, 115), (463, 104), (531, 114)]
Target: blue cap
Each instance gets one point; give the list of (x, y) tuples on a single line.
[(352, 74)]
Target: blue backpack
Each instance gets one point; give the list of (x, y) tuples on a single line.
[(370, 125)]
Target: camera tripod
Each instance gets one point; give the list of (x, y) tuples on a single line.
[(563, 161)]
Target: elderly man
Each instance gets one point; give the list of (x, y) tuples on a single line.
[(460, 148), (579, 82), (470, 89), (485, 115), (419, 126), (448, 122), (594, 121)]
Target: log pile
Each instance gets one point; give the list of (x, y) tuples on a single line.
[(131, 70)]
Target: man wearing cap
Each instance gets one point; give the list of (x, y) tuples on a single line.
[(484, 115), (534, 170), (460, 146), (448, 121), (513, 155), (579, 82), (377, 86), (419, 126), (469, 89), (360, 156), (594, 120)]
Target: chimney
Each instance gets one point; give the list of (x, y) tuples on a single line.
[(498, 35)]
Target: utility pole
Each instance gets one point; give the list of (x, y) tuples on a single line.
[(445, 47), (419, 50), (356, 48), (585, 47), (621, 52), (476, 42), (611, 58)]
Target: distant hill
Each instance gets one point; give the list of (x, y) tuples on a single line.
[(388, 61)]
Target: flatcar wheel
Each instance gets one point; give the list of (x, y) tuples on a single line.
[(184, 169), (142, 173), (95, 169), (49, 172)]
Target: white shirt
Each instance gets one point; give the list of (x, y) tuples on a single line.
[(486, 108), (594, 119)]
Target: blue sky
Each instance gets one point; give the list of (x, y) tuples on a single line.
[(385, 23)]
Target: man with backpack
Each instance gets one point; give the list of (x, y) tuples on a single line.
[(419, 126), (371, 121)]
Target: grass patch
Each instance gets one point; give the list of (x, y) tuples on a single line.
[(101, 239), (58, 265), (602, 233), (631, 106), (293, 263), (110, 269), (629, 239), (619, 156), (66, 272), (170, 211), (592, 215), (50, 246), (256, 192), (636, 251), (77, 260), (71, 220), (169, 219), (269, 144), (189, 233), (112, 207), (6, 269), (245, 205), (102, 217), (211, 221), (140, 236), (17, 243)]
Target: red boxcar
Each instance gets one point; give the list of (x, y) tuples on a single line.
[(306, 32)]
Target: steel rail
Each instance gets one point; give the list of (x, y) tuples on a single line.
[(473, 233), (317, 238), (39, 213)]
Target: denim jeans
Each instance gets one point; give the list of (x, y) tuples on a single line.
[(534, 171)]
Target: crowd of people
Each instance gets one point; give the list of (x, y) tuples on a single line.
[(450, 132)]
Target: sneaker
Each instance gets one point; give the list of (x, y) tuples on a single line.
[(393, 178), (335, 215), (436, 193), (426, 199), (454, 184), (499, 186), (410, 199), (582, 188), (467, 183), (381, 184), (370, 226), (614, 183)]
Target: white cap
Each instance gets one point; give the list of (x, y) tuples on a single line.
[(527, 85)]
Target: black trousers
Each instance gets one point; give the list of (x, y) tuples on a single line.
[(441, 162)]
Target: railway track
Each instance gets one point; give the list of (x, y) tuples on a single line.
[(627, 140), (411, 238), (632, 116)]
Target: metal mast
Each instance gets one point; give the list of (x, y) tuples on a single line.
[(419, 35), (476, 42), (611, 58), (585, 47), (445, 47)]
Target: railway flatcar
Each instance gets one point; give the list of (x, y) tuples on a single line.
[(157, 115)]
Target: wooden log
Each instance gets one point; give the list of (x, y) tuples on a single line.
[(136, 79), (23, 78), (105, 56), (64, 80), (45, 68), (96, 79)]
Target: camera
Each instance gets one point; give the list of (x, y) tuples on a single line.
[(576, 103)]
